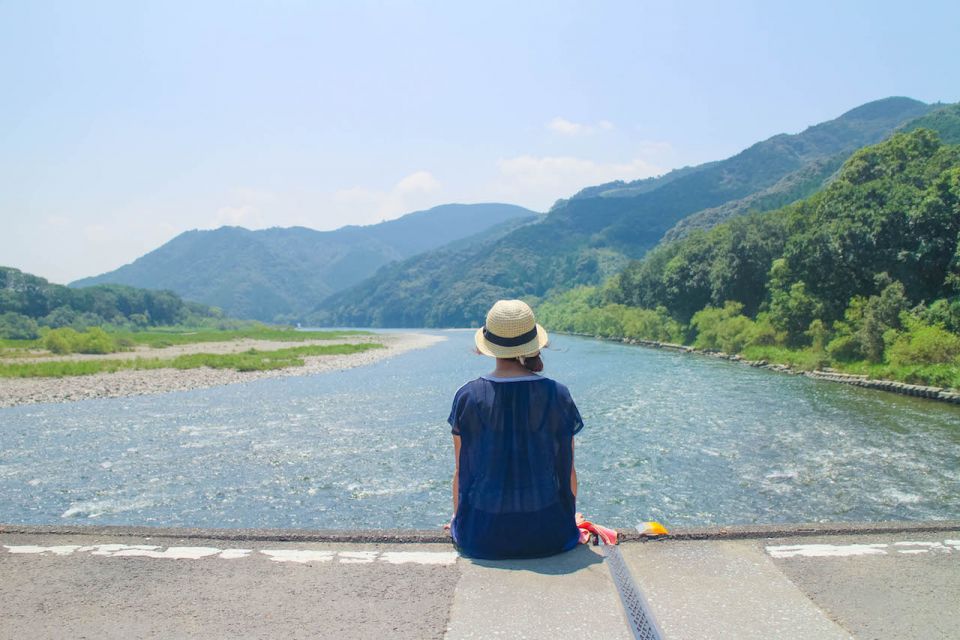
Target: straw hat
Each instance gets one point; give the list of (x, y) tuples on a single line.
[(510, 331)]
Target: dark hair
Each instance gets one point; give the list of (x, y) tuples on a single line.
[(531, 363)]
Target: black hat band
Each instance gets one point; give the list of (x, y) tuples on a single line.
[(510, 342)]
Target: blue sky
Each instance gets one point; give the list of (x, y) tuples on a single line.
[(124, 123)]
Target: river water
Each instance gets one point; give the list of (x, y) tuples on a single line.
[(683, 439)]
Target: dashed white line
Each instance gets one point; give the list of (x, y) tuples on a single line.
[(356, 557), (825, 550), (906, 547), (419, 557), (300, 556), (63, 550)]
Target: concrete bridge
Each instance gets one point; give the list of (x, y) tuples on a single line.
[(886, 580)]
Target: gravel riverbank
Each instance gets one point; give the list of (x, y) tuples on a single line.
[(18, 391)]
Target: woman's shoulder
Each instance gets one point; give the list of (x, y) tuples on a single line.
[(487, 381)]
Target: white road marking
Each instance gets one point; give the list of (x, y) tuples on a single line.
[(356, 557), (925, 547), (110, 549), (301, 556), (419, 557), (172, 553), (63, 550), (825, 550), (844, 550)]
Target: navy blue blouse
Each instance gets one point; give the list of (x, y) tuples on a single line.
[(516, 454)]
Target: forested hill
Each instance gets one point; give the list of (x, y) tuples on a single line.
[(866, 270), (801, 183), (28, 302), (281, 274), (394, 296), (596, 232)]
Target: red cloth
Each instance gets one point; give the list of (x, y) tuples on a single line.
[(609, 536)]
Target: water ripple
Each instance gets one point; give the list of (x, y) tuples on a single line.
[(678, 438)]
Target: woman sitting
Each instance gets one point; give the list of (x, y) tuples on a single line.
[(515, 485)]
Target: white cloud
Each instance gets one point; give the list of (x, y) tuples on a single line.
[(419, 190), (247, 208), (537, 182), (568, 128), (421, 181), (244, 215)]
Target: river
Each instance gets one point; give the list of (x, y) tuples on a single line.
[(683, 439)]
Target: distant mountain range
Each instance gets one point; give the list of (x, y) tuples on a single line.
[(445, 266), (283, 273), (595, 233)]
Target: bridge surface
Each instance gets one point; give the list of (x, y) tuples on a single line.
[(810, 581)]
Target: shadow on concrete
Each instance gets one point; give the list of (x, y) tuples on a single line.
[(571, 561)]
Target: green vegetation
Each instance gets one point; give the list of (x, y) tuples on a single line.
[(28, 304), (173, 336), (66, 340), (945, 120), (251, 360), (587, 238), (863, 276)]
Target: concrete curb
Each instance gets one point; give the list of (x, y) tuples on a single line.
[(420, 536), (787, 530), (393, 536)]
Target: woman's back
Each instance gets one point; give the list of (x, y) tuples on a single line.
[(516, 458)]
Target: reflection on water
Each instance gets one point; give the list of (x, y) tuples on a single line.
[(677, 438)]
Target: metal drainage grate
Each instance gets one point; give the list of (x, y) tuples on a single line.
[(635, 606)]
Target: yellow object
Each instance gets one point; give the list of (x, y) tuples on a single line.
[(652, 529)]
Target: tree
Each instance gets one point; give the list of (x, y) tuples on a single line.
[(880, 315), (15, 326), (793, 310)]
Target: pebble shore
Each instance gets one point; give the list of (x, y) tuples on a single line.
[(20, 391)]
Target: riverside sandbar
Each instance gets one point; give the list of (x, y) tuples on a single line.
[(19, 391)]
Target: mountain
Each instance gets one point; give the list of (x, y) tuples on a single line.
[(597, 231), (865, 266), (394, 295), (278, 274), (945, 120)]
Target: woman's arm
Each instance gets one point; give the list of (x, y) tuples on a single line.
[(456, 473), (573, 472)]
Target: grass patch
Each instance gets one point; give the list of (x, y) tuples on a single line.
[(160, 337), (251, 360), (802, 359), (932, 375), (6, 343), (169, 337)]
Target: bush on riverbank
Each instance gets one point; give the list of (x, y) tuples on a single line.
[(914, 347), (66, 341)]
